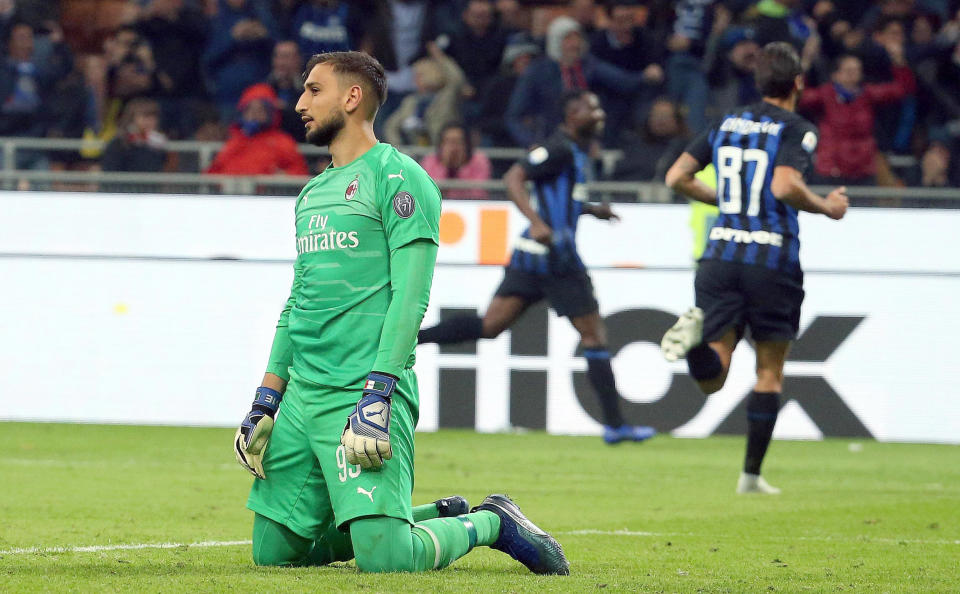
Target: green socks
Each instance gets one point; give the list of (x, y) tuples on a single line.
[(379, 544)]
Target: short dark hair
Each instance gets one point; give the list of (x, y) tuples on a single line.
[(777, 68), (572, 96), (456, 125), (886, 20), (362, 67), (839, 60)]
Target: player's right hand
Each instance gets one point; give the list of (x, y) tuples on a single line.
[(541, 232), (837, 203), (251, 438)]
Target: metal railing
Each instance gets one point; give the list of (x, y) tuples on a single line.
[(286, 185), (206, 151)]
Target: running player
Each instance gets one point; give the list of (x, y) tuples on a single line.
[(749, 275), (545, 263), (335, 479)]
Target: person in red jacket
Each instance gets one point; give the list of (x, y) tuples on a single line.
[(257, 145), (848, 149)]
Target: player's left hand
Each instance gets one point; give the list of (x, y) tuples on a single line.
[(604, 212), (366, 437)]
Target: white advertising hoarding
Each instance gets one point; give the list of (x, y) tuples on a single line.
[(116, 309)]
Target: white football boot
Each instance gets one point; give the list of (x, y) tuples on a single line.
[(685, 334), (754, 483)]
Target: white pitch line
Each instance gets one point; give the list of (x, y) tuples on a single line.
[(125, 547), (585, 532), (619, 533), (862, 539)]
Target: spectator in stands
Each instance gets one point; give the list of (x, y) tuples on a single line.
[(512, 18), (26, 84), (585, 13), (456, 159), (686, 81), (782, 20), (321, 26), (847, 150), (286, 78), (534, 107), (238, 51), (139, 145), (660, 140), (398, 32), (283, 12), (477, 43), (420, 116), (941, 79), (74, 110), (895, 9), (494, 100), (894, 121), (256, 145), (8, 10), (625, 43), (632, 48), (938, 168), (177, 34), (131, 69), (730, 63)]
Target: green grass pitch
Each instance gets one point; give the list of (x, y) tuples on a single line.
[(655, 517)]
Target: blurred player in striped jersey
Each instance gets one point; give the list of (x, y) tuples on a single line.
[(545, 263), (749, 275)]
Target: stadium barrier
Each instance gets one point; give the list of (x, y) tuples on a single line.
[(140, 309), (201, 155)]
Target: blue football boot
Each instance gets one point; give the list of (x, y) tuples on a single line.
[(451, 507), (625, 432), (521, 539)]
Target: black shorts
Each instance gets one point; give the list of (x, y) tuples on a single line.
[(570, 295), (735, 295)]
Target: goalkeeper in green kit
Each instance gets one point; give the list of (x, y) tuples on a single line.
[(330, 436)]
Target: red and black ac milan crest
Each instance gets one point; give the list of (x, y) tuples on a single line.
[(352, 189)]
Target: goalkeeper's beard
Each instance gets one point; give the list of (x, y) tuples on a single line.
[(327, 131)]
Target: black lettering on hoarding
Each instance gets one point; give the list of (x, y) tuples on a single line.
[(528, 336), (528, 399), (458, 398), (683, 399), (813, 394)]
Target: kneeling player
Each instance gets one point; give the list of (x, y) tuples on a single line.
[(750, 275), (336, 479)]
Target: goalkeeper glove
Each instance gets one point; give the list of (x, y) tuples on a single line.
[(366, 438), (251, 439)]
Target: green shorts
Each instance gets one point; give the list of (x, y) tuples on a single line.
[(309, 483)]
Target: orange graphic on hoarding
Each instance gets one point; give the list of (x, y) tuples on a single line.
[(493, 236), (452, 227)]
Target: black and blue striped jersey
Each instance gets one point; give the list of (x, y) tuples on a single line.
[(745, 146), (558, 171)]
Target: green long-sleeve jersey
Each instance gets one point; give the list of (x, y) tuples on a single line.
[(367, 235)]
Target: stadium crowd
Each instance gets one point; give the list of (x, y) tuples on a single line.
[(883, 78)]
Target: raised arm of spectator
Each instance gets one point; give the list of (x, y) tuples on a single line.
[(612, 77), (903, 84), (393, 127), (447, 99)]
